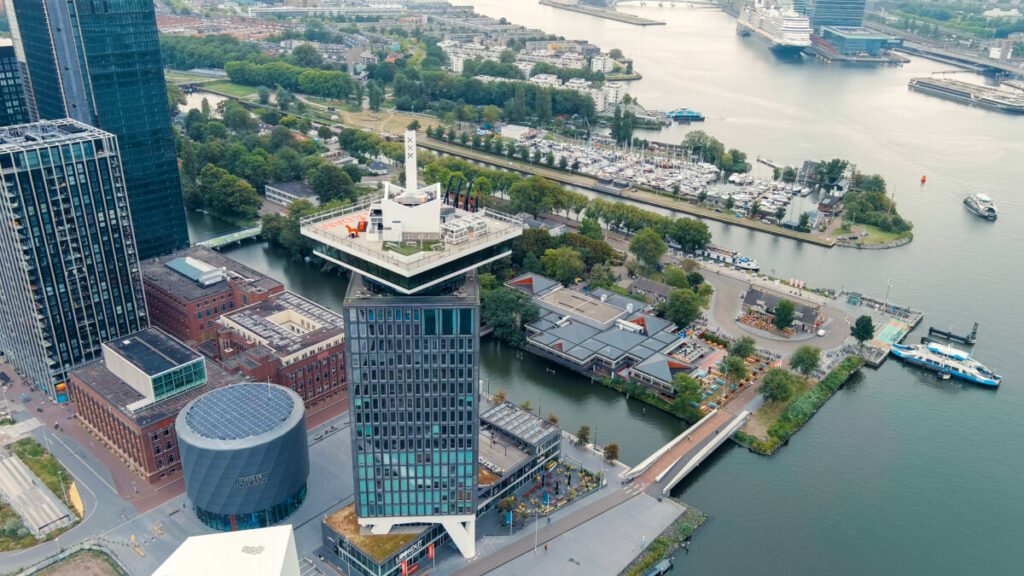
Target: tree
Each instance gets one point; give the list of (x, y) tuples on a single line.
[(648, 247), (553, 419), (806, 360), (683, 307), (863, 329), (590, 228), (499, 397), (507, 311), (563, 163), (527, 405), (263, 94), (375, 95), (175, 99), (532, 264), (690, 265), (305, 55), (784, 314), (777, 385), (280, 137), (734, 368), (805, 221), (583, 436), (729, 202), (563, 264), (743, 347), (332, 183), (676, 277), (611, 452), (789, 174), (780, 213)]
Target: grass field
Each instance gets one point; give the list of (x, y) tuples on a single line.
[(769, 412), (84, 563), (225, 87), (875, 235), (177, 76), (379, 547), (8, 514), (45, 466)]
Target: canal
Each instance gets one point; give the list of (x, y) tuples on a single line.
[(899, 472)]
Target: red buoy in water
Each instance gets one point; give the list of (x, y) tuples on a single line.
[(924, 179)]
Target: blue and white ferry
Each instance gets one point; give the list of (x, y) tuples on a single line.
[(947, 360)]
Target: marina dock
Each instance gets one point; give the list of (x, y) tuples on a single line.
[(971, 338), (901, 321)]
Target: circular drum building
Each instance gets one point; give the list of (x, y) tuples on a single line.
[(244, 455)]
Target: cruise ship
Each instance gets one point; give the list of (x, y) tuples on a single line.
[(982, 205), (947, 361), (785, 30), (729, 257), (968, 93)]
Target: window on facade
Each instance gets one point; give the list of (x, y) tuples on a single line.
[(430, 322)]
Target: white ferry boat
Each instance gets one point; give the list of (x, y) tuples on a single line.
[(730, 257), (982, 205), (947, 360), (784, 30)]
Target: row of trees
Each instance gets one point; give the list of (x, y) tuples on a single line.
[(496, 145), (690, 234), (701, 145), (325, 83)]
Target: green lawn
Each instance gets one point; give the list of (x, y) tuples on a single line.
[(45, 466), (225, 87), (409, 249), (178, 76), (12, 542), (876, 235)]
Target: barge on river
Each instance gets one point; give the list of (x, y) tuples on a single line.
[(984, 96)]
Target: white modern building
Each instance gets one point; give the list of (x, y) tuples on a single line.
[(260, 552)]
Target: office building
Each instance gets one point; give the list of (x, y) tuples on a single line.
[(190, 289), (515, 446), (129, 400), (260, 552), (245, 455), (69, 274), (99, 63), (12, 97), (412, 342), (834, 13), (284, 193), (289, 341)]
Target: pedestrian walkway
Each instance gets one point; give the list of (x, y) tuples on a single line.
[(38, 506)]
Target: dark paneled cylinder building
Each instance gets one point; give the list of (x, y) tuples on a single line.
[(244, 454)]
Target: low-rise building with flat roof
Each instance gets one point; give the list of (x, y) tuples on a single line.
[(188, 290), (761, 302), (284, 193), (130, 398), (599, 333), (288, 340)]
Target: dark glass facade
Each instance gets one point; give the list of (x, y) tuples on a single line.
[(258, 519), (835, 13), (412, 364), (100, 62), (12, 97), (69, 274)]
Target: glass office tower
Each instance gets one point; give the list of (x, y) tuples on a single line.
[(835, 13), (69, 272), (12, 97), (412, 339), (99, 63)]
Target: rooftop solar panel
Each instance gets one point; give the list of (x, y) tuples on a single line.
[(240, 411)]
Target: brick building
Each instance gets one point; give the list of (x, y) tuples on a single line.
[(287, 340), (188, 290), (130, 399)]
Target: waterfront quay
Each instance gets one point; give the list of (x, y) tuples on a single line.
[(603, 13)]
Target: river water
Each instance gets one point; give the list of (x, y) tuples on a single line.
[(899, 473)]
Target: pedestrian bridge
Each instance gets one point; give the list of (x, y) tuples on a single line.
[(671, 463), (232, 237)]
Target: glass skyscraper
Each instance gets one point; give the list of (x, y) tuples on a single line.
[(69, 272), (835, 13), (412, 339), (99, 63), (12, 97)]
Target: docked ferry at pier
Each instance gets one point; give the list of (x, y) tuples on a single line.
[(982, 205), (730, 257), (947, 361), (784, 30)]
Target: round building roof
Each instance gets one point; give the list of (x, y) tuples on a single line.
[(242, 411)]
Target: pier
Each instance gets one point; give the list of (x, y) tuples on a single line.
[(603, 13), (237, 236), (968, 339)]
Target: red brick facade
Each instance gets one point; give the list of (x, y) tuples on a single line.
[(195, 320), (150, 452), (318, 379)]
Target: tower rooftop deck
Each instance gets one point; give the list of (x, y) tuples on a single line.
[(350, 237)]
